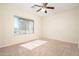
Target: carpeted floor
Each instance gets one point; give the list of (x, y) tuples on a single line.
[(50, 48)]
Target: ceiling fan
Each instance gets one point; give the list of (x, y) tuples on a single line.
[(44, 7)]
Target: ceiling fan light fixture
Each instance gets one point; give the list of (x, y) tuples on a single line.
[(43, 9)]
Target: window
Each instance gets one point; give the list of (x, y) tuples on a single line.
[(23, 26)]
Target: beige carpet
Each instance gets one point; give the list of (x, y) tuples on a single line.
[(51, 48)]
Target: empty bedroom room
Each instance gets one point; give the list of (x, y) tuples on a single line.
[(39, 29)]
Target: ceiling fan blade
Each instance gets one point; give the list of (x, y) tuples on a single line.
[(38, 5), (45, 11), (38, 10), (45, 4), (50, 7)]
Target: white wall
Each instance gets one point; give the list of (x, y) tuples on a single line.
[(8, 37), (78, 26), (62, 26), (0, 29), (1, 25)]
